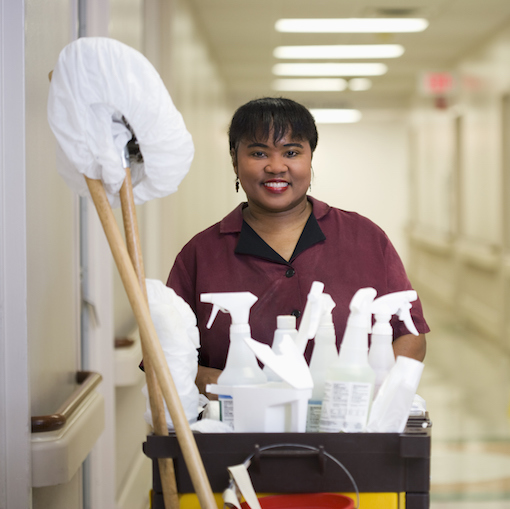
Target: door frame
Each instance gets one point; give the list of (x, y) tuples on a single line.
[(15, 461)]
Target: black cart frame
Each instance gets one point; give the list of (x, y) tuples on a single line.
[(378, 462)]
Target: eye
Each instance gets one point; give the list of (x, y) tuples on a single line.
[(292, 153), (258, 153)]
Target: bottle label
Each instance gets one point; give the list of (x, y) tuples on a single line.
[(226, 409), (313, 416), (345, 407)]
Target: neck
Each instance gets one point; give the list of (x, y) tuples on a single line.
[(264, 220)]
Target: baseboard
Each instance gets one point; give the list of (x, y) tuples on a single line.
[(134, 493)]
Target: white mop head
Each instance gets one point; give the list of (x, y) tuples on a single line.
[(176, 326), (95, 83)]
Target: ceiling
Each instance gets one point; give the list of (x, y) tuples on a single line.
[(241, 38)]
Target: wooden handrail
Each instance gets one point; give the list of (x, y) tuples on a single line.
[(123, 343), (88, 381)]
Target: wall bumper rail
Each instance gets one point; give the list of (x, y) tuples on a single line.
[(60, 442)]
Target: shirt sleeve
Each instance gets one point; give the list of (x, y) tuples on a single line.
[(182, 282), (397, 280)]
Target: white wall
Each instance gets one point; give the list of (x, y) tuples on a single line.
[(460, 222), (207, 193), (52, 236), (363, 167), (51, 223), (167, 34)]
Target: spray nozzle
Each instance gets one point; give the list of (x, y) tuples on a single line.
[(327, 306), (311, 316), (397, 303), (360, 308), (238, 304)]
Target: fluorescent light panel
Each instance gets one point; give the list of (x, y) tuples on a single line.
[(340, 51), (335, 116), (329, 69), (359, 84), (352, 25), (310, 85)]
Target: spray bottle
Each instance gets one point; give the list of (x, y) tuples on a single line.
[(349, 388), (381, 356), (241, 367), (285, 325), (311, 316), (324, 354)]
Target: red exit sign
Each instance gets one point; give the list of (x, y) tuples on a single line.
[(437, 83)]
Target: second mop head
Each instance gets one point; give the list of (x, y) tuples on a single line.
[(178, 334)]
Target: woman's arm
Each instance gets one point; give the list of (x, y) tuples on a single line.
[(410, 346), (207, 376)]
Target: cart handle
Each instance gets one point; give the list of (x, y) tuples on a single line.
[(287, 453), (309, 450)]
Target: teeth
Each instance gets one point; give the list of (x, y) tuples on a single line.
[(276, 184)]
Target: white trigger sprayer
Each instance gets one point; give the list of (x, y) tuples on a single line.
[(381, 357), (241, 367)]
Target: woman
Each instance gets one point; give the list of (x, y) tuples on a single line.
[(282, 240)]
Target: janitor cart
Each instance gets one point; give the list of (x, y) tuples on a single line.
[(391, 470)]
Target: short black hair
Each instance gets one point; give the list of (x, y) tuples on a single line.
[(255, 119)]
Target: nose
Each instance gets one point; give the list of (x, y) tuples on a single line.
[(276, 165)]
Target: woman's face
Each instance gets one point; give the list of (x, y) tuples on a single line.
[(275, 177)]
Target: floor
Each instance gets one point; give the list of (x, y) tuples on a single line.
[(466, 385)]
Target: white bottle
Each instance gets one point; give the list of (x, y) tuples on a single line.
[(381, 356), (285, 325), (349, 388), (324, 354), (392, 405), (241, 367)]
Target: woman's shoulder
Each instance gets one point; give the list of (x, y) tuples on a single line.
[(325, 213), (231, 223)]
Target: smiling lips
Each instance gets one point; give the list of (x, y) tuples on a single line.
[(276, 186)]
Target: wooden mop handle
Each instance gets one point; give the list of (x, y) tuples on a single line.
[(152, 346), (166, 465)]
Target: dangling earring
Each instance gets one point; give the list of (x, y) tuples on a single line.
[(312, 176), (237, 183)]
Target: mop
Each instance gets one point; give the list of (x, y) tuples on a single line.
[(101, 93)]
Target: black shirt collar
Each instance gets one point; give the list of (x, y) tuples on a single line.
[(251, 243)]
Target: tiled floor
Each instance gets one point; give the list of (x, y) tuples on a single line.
[(466, 386)]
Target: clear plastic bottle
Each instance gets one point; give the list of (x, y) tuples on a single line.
[(324, 354), (285, 325), (349, 388)]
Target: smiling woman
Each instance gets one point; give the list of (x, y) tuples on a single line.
[(282, 240)]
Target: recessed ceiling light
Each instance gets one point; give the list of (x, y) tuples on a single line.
[(335, 116), (352, 25), (329, 69), (359, 84), (340, 51), (310, 85)]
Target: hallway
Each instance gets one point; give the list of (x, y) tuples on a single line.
[(467, 392), (430, 166)]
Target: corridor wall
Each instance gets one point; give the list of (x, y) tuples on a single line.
[(460, 174), (117, 473), (166, 33)]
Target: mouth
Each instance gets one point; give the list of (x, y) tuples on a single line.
[(276, 186)]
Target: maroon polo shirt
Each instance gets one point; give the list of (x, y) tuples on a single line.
[(343, 250)]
